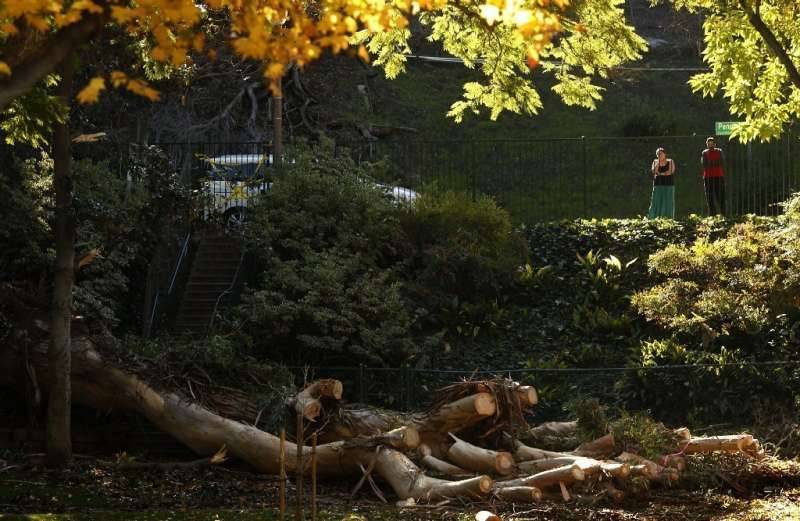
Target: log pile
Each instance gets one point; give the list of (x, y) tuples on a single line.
[(468, 441), (470, 436)]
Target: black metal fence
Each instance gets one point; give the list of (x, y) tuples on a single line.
[(668, 392), (552, 179)]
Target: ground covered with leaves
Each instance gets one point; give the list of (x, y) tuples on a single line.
[(734, 489)]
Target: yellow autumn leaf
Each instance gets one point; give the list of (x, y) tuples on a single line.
[(91, 92), (5, 70), (141, 88), (274, 71)]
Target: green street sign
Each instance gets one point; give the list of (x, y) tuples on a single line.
[(724, 128)]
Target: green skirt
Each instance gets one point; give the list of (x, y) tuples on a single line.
[(662, 202)]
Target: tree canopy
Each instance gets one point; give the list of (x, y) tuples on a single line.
[(507, 38), (752, 49)]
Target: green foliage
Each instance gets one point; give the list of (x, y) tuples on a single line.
[(325, 239), (595, 39), (118, 227), (737, 285), (29, 119), (25, 252), (744, 69), (640, 434), (464, 259)]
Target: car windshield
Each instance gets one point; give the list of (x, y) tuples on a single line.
[(238, 168)]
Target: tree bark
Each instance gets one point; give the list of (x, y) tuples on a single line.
[(772, 43), (566, 475), (59, 442), (50, 55), (477, 459), (98, 384), (518, 494)]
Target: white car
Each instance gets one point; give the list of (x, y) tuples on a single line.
[(233, 179)]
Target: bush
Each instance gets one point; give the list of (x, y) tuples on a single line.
[(464, 260), (117, 228), (327, 288)]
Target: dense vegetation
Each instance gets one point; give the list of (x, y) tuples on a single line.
[(345, 275)]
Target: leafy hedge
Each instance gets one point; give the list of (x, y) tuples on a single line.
[(347, 275)]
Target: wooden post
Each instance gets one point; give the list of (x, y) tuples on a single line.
[(277, 126), (282, 485), (298, 513), (314, 477)]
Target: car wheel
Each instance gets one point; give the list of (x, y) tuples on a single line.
[(233, 219)]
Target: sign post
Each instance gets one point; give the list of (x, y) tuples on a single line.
[(724, 128)]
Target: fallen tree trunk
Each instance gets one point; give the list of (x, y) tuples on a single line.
[(100, 385), (307, 401)]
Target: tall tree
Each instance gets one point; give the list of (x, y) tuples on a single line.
[(59, 444), (752, 48)]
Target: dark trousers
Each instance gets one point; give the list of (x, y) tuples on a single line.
[(715, 194)]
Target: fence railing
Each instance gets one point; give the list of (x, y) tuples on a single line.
[(552, 179), (669, 391)]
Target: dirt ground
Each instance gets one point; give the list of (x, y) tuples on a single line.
[(90, 490)]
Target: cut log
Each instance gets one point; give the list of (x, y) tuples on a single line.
[(734, 443), (523, 452), (588, 466), (674, 461), (403, 438), (615, 494), (477, 459), (528, 397), (600, 448), (307, 401), (518, 494), (485, 515), (616, 469), (554, 430), (440, 466), (643, 471), (653, 468), (566, 475), (457, 415)]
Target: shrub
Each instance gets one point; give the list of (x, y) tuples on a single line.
[(465, 258), (327, 242), (732, 287)]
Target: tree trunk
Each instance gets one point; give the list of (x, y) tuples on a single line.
[(98, 384), (468, 456), (59, 442)]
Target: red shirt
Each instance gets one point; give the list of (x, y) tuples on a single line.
[(712, 160)]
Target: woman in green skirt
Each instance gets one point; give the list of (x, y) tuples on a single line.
[(662, 202)]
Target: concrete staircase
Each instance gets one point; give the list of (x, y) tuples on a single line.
[(213, 271)]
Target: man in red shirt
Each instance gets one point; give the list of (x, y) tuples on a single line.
[(714, 177)]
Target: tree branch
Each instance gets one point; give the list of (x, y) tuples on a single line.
[(772, 42), (45, 60)]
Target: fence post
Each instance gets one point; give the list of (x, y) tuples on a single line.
[(408, 379), (473, 174), (362, 388), (585, 186)]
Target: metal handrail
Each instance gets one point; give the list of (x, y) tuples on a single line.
[(227, 291), (183, 254)]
